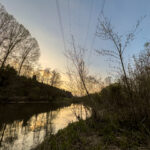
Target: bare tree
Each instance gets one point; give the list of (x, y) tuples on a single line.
[(142, 63), (55, 78), (28, 52), (73, 83), (37, 72), (28, 70), (106, 32), (5, 21), (76, 57), (46, 75), (94, 83), (16, 44), (17, 33)]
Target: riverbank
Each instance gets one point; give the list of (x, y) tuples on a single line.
[(21, 89), (23, 127), (119, 121), (26, 100), (97, 135), (26, 110)]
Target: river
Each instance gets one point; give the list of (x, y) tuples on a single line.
[(23, 127)]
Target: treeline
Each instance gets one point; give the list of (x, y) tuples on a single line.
[(17, 46), (19, 49), (20, 88), (20, 74)]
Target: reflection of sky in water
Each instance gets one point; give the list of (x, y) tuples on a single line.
[(19, 137)]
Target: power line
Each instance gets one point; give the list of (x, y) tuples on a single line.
[(89, 21), (69, 16), (79, 18), (103, 5), (61, 25), (94, 37)]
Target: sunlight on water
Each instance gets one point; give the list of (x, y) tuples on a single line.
[(21, 135)]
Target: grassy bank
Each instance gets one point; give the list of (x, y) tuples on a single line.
[(120, 121), (15, 88), (102, 135)]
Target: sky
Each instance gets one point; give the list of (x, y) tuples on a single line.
[(79, 18)]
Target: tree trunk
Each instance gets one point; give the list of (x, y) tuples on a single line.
[(128, 87), (2, 134), (20, 67), (4, 60)]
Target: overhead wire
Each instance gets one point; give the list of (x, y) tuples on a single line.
[(94, 37), (79, 19), (69, 16), (103, 6), (89, 22), (61, 24)]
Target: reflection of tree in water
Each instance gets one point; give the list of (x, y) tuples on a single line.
[(25, 134), (34, 131), (21, 112), (43, 126), (8, 134)]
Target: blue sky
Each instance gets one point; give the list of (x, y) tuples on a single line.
[(40, 17)]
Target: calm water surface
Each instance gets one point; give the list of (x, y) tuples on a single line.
[(21, 129)]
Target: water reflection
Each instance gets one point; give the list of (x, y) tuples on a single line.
[(25, 134)]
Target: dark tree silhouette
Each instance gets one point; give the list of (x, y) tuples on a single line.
[(28, 51)]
